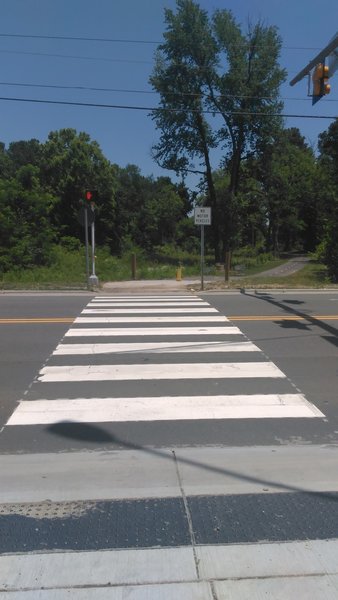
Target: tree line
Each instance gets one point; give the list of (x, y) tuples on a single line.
[(219, 90), (41, 189)]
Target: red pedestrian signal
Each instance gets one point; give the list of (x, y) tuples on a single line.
[(90, 195)]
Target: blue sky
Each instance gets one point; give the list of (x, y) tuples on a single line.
[(126, 136)]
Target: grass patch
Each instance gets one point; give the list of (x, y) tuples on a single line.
[(68, 269)]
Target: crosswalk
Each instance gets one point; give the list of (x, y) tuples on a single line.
[(122, 487), (207, 348)]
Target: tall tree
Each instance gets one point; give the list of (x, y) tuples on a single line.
[(71, 163), (207, 66), (187, 138)]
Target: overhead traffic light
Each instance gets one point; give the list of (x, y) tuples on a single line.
[(320, 78)]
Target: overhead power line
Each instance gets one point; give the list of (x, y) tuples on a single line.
[(159, 109), (100, 58), (93, 58), (147, 92), (111, 40), (78, 39)]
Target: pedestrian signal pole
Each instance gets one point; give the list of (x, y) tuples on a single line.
[(90, 198), (86, 243)]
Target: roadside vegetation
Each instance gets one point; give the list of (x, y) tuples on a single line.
[(269, 192), (67, 270)]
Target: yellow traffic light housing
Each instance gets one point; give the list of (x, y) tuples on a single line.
[(326, 88), (320, 78)]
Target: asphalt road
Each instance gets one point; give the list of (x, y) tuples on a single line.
[(297, 331), (31, 325)]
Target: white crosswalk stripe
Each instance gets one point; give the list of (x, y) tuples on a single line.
[(147, 331), (152, 319), (140, 372), (153, 304), (147, 299), (155, 347), (132, 311), (91, 410)]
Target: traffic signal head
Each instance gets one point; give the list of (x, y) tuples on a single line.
[(90, 196), (320, 78)]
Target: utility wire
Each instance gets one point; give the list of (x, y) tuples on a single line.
[(112, 40), (78, 39), (104, 59), (94, 58), (157, 109), (132, 91)]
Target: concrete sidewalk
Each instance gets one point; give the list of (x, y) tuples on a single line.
[(289, 571), (302, 569), (151, 285)]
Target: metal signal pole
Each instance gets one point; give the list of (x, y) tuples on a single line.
[(87, 244), (93, 279)]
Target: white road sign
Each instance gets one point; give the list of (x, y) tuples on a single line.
[(203, 215)]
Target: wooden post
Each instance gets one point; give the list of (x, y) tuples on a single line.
[(227, 266), (133, 266)]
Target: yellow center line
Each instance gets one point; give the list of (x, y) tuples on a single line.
[(283, 318), (51, 320), (36, 320)]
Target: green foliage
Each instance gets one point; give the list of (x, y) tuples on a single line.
[(188, 236), (251, 259), (43, 185), (328, 147), (328, 251), (70, 243), (280, 189), (148, 210), (25, 232), (23, 153), (327, 180)]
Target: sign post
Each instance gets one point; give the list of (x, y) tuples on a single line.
[(202, 217)]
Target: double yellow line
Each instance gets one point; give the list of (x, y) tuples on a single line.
[(51, 320), (27, 321), (284, 318)]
